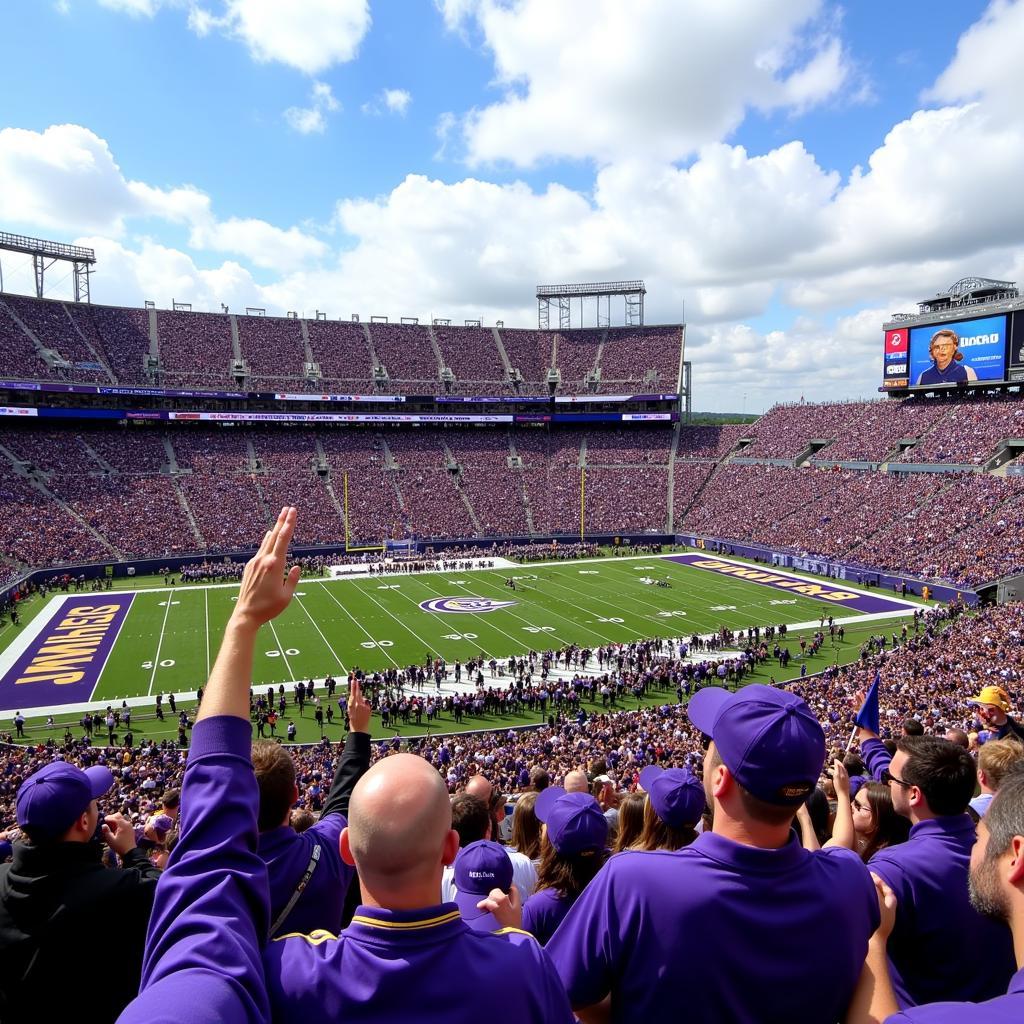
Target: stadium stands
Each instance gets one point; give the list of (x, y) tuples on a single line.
[(195, 349)]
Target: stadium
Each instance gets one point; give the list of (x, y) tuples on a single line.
[(385, 667)]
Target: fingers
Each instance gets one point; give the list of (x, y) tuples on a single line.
[(283, 530)]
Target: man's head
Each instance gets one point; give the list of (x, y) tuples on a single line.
[(912, 727), (171, 803), (58, 802), (944, 348), (399, 834), (480, 787), (471, 818), (766, 753), (539, 779), (997, 859), (959, 737), (275, 776), (930, 777), (576, 781), (995, 760), (993, 705)]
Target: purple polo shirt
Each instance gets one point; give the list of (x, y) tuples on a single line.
[(543, 913), (202, 961), (941, 947), (425, 965), (287, 854), (1007, 1009), (719, 932)]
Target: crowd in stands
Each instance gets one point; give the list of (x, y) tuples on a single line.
[(196, 350), (742, 822)]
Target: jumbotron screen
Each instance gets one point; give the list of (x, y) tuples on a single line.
[(946, 354)]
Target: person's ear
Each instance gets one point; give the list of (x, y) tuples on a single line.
[(722, 781), (1015, 872), (345, 848), (450, 848)]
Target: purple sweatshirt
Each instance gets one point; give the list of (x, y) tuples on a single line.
[(210, 914)]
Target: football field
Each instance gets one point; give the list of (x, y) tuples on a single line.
[(107, 646)]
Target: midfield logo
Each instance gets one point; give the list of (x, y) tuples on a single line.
[(464, 605)]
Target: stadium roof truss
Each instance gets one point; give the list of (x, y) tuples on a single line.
[(562, 295), (44, 254)]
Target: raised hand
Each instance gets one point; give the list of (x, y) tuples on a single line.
[(266, 591), (359, 710)]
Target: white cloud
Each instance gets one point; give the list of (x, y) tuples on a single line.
[(65, 180), (310, 35), (988, 62), (601, 79), (136, 8), (307, 120), (392, 101)]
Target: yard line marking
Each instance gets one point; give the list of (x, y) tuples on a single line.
[(551, 611), (322, 637), (408, 629), (356, 621), (159, 644), (287, 663), (206, 602)]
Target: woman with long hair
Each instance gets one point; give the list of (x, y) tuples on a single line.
[(876, 824), (572, 851), (631, 821), (675, 804), (526, 827)]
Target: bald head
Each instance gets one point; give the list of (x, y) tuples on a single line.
[(399, 826), (576, 782), (480, 787)]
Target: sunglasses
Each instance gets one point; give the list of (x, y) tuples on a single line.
[(887, 776)]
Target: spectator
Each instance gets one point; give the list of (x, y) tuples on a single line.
[(675, 804), (526, 828), (572, 851), (480, 868), (631, 821), (729, 889), (940, 948), (56, 890), (993, 708), (995, 759), (997, 890), (308, 880)]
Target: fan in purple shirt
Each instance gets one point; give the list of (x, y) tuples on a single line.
[(572, 851), (996, 889), (739, 918)]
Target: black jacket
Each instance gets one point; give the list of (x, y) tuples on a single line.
[(72, 932)]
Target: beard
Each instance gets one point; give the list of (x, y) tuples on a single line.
[(985, 893)]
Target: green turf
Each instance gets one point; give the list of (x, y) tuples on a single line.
[(333, 626), (146, 726)]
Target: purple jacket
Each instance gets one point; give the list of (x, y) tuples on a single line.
[(210, 915)]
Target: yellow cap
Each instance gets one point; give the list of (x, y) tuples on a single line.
[(993, 695)]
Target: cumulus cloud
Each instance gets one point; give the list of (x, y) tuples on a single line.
[(390, 101), (313, 119), (598, 79), (65, 180), (310, 35)]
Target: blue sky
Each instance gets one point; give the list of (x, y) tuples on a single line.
[(792, 170)]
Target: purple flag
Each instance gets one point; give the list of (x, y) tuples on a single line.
[(867, 717)]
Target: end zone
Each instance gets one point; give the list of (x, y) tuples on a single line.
[(837, 594), (60, 656)]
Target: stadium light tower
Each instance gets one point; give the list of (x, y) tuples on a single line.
[(632, 293), (44, 254)]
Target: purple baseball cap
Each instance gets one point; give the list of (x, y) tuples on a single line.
[(576, 824), (50, 799), (676, 795), (768, 739), (479, 868)]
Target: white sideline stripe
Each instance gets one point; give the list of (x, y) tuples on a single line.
[(159, 644), (43, 618), (190, 695), (206, 602), (113, 647)]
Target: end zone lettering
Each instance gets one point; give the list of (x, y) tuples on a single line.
[(856, 600), (61, 661)]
